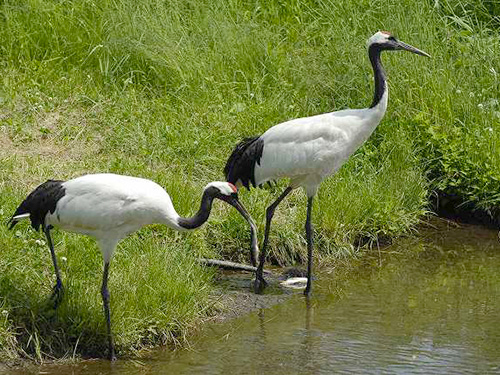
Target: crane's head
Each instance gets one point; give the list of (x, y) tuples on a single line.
[(227, 192), (222, 190), (385, 41)]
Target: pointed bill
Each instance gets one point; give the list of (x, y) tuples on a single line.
[(254, 252), (409, 48)]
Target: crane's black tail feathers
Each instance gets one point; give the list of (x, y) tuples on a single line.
[(38, 203), (241, 164)]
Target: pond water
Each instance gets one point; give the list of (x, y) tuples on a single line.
[(424, 306)]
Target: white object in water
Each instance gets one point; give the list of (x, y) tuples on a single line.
[(294, 283)]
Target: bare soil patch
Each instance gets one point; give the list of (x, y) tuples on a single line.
[(236, 298), (54, 143)]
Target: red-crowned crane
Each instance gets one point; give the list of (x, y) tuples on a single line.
[(108, 207), (307, 150)]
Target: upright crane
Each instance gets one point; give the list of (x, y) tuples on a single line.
[(307, 150)]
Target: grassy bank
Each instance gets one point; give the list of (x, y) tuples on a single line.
[(164, 90)]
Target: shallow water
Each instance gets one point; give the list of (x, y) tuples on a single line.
[(424, 306)]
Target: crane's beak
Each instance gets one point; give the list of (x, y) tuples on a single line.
[(254, 252), (409, 48)]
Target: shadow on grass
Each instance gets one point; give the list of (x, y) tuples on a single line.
[(42, 331)]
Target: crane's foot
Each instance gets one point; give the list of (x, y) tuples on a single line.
[(57, 294), (259, 285)]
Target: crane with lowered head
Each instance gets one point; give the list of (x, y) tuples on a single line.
[(108, 207)]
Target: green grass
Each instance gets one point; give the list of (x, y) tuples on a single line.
[(164, 90)]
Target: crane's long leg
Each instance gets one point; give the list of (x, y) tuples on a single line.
[(58, 290), (260, 283), (105, 301), (309, 236)]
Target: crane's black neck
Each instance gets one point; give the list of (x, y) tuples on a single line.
[(378, 72), (201, 216)]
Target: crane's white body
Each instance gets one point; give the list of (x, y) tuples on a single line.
[(311, 148), (97, 203), (108, 207)]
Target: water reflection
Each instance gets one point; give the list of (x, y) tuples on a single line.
[(432, 306)]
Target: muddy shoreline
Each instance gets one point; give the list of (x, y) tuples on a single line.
[(237, 298)]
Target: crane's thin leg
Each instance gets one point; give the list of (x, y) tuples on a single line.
[(58, 290), (309, 235), (260, 283), (105, 301)]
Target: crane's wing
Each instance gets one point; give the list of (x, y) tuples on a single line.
[(38, 203), (108, 202), (316, 145), (240, 166)]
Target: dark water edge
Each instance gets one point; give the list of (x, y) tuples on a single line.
[(424, 305), (453, 207)]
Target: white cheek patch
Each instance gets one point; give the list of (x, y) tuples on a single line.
[(225, 187), (379, 37)]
